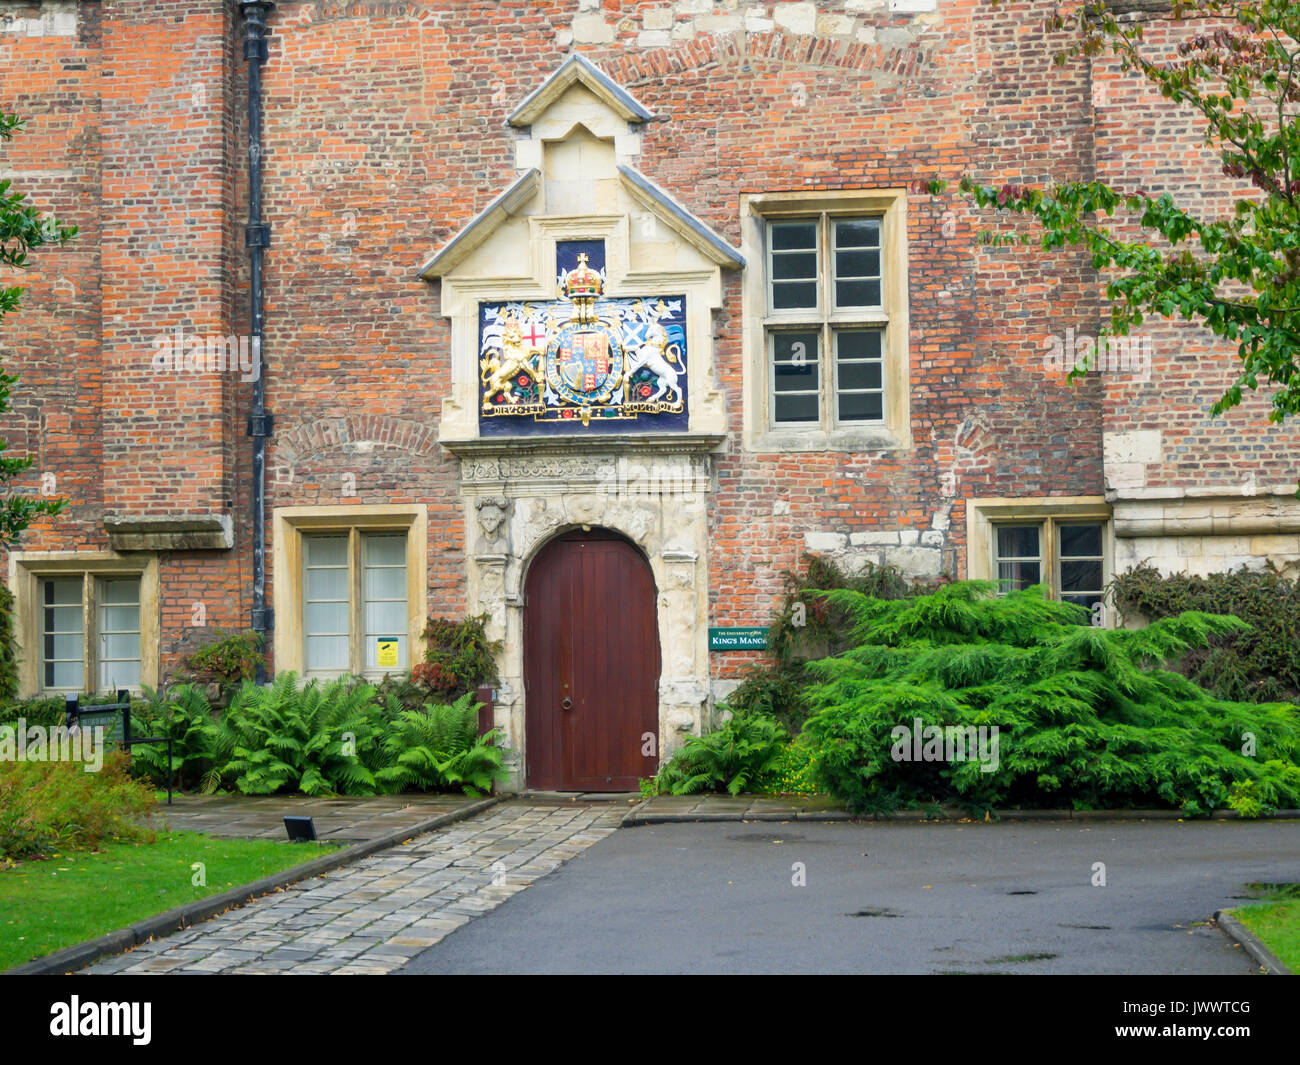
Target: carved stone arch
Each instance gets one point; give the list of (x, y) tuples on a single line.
[(657, 500)]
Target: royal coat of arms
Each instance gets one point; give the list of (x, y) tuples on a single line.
[(584, 359)]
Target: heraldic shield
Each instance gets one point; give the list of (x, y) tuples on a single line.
[(589, 364), (606, 363)]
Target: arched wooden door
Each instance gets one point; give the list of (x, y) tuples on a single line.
[(591, 665)]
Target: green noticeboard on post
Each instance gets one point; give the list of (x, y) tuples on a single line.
[(738, 639)]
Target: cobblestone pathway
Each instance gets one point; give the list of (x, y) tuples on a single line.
[(373, 916)]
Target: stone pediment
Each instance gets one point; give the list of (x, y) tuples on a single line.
[(579, 102), (641, 351), (579, 70), (663, 207), (502, 207)]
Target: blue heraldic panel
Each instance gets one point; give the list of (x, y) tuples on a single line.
[(583, 363)]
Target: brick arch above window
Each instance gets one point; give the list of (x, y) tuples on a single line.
[(309, 439)]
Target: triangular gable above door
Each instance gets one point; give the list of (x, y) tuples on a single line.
[(580, 71), (583, 138)]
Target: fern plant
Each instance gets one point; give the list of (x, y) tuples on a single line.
[(305, 739), (733, 758), (437, 748), (186, 717)]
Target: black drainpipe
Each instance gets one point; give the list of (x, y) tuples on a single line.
[(257, 237)]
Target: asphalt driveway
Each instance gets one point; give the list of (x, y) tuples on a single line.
[(884, 898)]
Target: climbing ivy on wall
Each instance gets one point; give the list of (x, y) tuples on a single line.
[(1261, 664)]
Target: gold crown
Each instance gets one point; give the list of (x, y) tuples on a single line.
[(582, 281)]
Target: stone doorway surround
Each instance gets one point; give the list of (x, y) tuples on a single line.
[(653, 490)]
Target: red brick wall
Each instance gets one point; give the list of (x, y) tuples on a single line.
[(385, 133), (1145, 143), (165, 170), (53, 340)]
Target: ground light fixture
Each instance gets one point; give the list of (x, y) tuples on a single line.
[(300, 829)]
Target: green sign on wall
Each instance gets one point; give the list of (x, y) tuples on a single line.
[(738, 639)]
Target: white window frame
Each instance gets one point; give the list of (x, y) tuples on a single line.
[(85, 641), (28, 570), (985, 515), (102, 631), (358, 633), (291, 525), (761, 321)]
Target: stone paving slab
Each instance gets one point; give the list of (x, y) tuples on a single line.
[(338, 820), (377, 914), (669, 809)]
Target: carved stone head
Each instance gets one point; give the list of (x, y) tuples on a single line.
[(491, 513)]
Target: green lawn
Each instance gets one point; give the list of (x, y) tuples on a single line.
[(79, 895), (1277, 923)]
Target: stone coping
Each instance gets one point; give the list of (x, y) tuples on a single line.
[(667, 809), (338, 819)]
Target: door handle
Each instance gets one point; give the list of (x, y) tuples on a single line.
[(566, 703)]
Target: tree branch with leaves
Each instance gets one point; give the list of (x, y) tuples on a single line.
[(1237, 276), (22, 229)]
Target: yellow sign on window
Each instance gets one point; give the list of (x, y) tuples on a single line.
[(386, 653)]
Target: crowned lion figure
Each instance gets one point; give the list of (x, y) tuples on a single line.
[(507, 358)]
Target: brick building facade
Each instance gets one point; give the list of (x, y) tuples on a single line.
[(792, 348)]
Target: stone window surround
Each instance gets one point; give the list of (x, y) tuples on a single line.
[(983, 514), (290, 524), (28, 568), (755, 212)]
